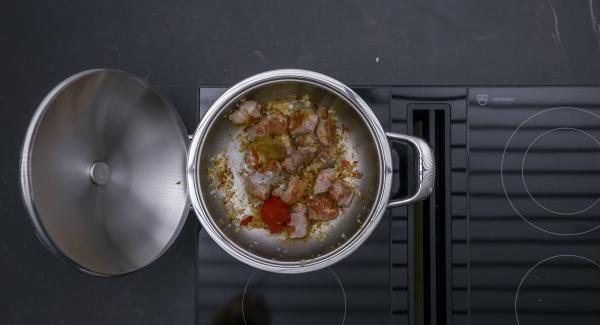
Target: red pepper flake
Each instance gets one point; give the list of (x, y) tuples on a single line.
[(345, 163), (246, 220), (275, 213)]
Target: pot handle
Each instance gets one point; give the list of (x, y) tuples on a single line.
[(425, 169)]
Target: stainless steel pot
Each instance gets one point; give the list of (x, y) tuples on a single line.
[(107, 176), (345, 233)]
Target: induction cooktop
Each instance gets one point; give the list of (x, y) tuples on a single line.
[(509, 236)]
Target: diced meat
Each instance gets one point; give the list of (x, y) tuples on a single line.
[(341, 192), (271, 166), (324, 180), (258, 183), (322, 208), (309, 139), (303, 122), (324, 159), (247, 111), (238, 117), (251, 107), (274, 124), (324, 128), (252, 158), (287, 143), (297, 228), (301, 157), (295, 190)]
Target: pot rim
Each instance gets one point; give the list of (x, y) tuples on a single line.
[(216, 110)]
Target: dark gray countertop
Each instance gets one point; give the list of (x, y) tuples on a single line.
[(178, 45)]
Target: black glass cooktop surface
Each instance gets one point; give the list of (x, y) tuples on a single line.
[(534, 187), (511, 235)]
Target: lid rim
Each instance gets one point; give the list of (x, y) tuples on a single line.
[(25, 170)]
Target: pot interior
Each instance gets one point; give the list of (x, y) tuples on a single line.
[(333, 236)]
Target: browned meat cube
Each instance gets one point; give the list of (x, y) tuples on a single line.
[(324, 159), (285, 140), (252, 158), (324, 127), (295, 190), (258, 183), (274, 124), (301, 157), (303, 122), (322, 208), (309, 139), (298, 226), (247, 111), (324, 180), (341, 192)]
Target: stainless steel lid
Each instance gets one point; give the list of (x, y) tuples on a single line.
[(103, 172)]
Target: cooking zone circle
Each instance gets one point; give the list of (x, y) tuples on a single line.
[(546, 168), (287, 294), (556, 132), (562, 289)]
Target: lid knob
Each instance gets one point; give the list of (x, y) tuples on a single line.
[(100, 173)]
